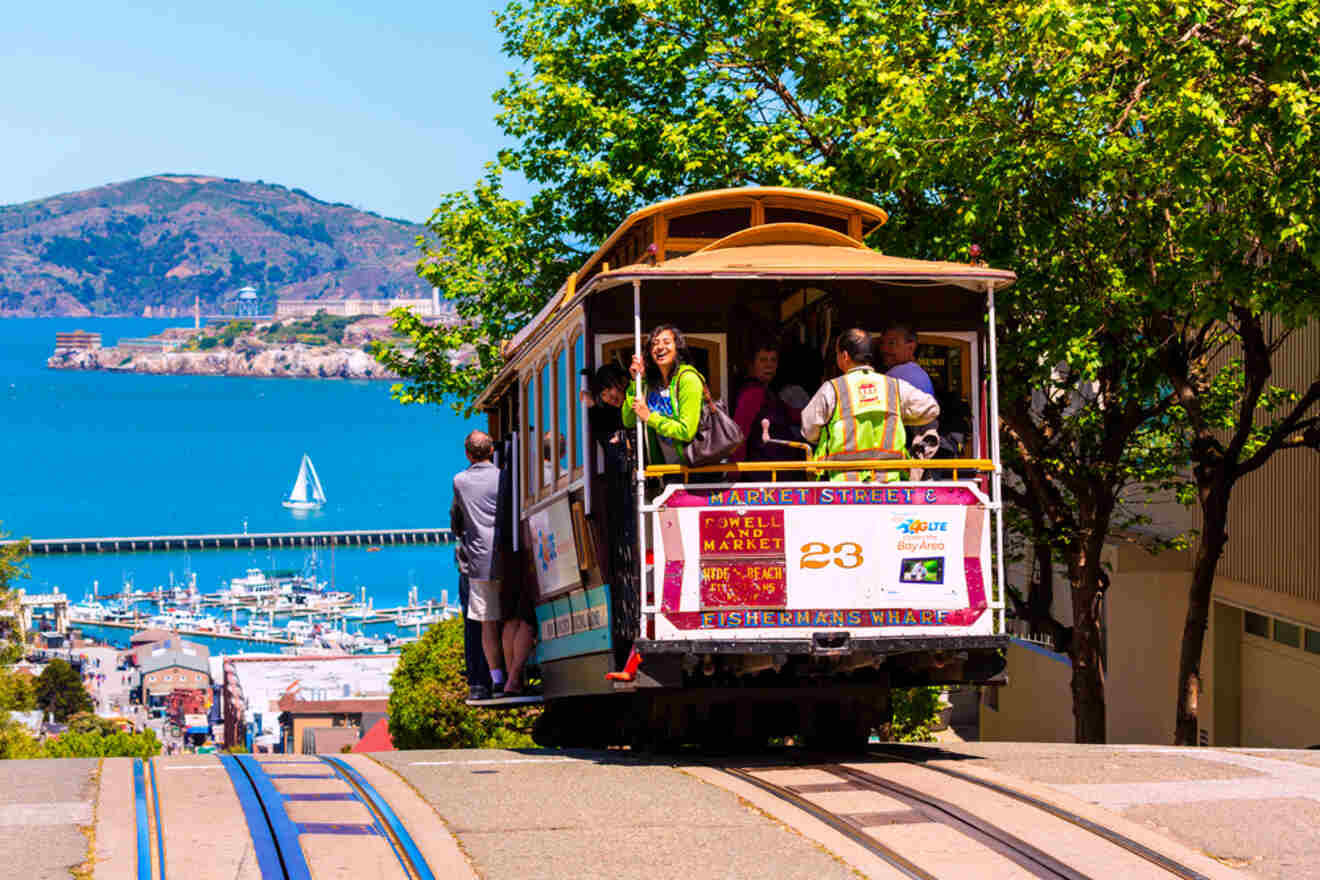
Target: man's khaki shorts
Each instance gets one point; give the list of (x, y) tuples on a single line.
[(483, 600)]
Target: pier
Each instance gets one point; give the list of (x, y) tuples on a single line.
[(239, 540)]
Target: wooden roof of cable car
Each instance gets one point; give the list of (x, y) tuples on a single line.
[(800, 250)]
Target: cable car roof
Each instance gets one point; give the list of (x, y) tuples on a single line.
[(802, 251), (799, 251)]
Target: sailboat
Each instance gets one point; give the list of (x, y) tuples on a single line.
[(307, 493)]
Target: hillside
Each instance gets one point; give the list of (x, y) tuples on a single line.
[(159, 241)]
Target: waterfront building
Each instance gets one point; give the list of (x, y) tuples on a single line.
[(172, 665), (303, 723)]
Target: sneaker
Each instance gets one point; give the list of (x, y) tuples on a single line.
[(478, 692)]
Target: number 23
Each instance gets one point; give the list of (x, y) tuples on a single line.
[(848, 555)]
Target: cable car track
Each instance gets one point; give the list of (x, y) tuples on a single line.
[(923, 807), (276, 836)]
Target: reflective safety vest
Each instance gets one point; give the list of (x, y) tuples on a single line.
[(865, 424)]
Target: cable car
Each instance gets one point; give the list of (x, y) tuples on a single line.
[(745, 600)]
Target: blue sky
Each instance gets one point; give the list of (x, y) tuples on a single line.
[(381, 105)]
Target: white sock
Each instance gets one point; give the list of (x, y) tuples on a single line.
[(497, 677)]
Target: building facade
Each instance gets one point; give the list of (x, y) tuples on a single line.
[(1261, 660)]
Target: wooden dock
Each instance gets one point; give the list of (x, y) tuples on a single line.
[(235, 541)]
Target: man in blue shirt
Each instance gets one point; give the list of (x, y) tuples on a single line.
[(898, 349)]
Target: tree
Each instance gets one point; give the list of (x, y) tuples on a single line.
[(1089, 146), (16, 692), (60, 691), (427, 700), (12, 637)]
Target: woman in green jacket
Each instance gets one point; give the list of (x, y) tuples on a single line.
[(672, 391)]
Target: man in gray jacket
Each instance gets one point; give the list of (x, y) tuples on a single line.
[(472, 518)]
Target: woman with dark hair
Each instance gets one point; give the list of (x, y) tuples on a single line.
[(756, 401), (672, 392)]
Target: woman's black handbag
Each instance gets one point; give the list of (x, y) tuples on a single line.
[(717, 434)]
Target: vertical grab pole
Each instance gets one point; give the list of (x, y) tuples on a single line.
[(997, 477), (641, 458)]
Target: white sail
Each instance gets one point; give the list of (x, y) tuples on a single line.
[(318, 494), (299, 492), (307, 492)]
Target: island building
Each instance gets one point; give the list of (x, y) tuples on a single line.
[(1260, 666), (269, 702), (347, 308), (78, 340)]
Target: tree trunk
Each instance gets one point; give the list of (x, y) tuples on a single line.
[(1088, 674), (1214, 498)]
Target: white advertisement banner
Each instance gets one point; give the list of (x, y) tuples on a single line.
[(869, 556), (553, 550)]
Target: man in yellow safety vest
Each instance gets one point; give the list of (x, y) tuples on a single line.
[(861, 414)]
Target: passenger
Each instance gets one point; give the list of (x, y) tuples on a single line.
[(516, 598), (673, 388), (861, 414), (756, 401), (898, 348), (604, 401), (472, 518)]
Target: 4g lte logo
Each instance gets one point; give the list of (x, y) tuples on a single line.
[(921, 527)]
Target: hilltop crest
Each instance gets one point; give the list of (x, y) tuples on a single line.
[(159, 241)]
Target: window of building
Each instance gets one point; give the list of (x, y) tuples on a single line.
[(1287, 634), (1313, 641), (1256, 624)]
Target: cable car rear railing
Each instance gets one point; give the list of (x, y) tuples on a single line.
[(954, 465)]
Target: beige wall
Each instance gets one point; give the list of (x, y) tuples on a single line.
[(1280, 695), (1036, 704), (302, 723), (1255, 692)]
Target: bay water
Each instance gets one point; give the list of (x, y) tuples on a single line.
[(94, 454)]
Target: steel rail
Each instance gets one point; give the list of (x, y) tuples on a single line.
[(160, 829), (143, 823), (414, 863), (847, 829), (1158, 859), (1005, 843), (269, 860)]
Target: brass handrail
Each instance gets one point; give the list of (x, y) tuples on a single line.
[(887, 464)]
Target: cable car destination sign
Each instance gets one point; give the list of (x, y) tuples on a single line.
[(905, 559)]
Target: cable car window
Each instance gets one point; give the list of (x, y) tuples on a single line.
[(564, 397), (527, 464), (577, 362), (544, 401), (710, 224), (793, 215)]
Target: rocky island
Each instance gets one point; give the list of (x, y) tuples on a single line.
[(318, 347)]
